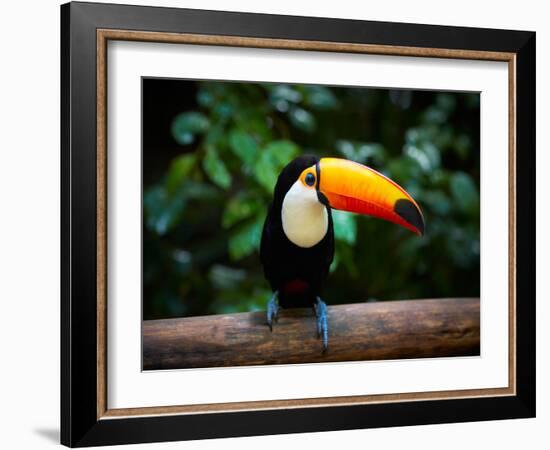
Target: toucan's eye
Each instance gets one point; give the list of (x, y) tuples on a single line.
[(310, 179)]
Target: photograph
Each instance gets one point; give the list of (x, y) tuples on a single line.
[(280, 218), (280, 222)]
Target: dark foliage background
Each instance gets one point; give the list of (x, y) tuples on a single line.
[(211, 155)]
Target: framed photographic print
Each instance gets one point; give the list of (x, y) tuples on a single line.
[(276, 224)]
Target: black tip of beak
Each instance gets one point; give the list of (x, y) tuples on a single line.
[(408, 211)]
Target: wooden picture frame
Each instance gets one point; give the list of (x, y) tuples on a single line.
[(86, 418)]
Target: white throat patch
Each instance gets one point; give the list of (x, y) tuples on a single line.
[(305, 219)]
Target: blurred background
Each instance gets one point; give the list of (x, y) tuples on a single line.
[(212, 152)]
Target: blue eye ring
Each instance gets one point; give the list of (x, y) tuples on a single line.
[(310, 179)]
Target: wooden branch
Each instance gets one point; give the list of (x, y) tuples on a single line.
[(362, 331)]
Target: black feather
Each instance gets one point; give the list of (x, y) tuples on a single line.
[(285, 264)]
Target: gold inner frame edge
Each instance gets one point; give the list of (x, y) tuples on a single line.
[(103, 36)]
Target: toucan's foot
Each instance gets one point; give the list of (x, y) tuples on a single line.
[(273, 310), (322, 324)]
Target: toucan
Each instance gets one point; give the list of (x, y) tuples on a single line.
[(297, 244)]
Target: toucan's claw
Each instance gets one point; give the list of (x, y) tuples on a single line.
[(273, 310), (322, 323)]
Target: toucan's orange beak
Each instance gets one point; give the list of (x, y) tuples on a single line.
[(350, 186)]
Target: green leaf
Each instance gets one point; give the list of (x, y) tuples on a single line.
[(162, 211), (320, 97), (302, 119), (244, 146), (205, 98), (224, 277), (224, 110), (425, 154), (437, 201), (345, 227), (446, 102), (182, 261), (188, 124), (216, 169), (246, 239), (282, 96), (464, 192), (275, 156), (179, 169), (462, 145), (239, 208), (196, 190), (215, 136), (361, 152), (404, 168), (281, 152), (266, 172), (435, 115)]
